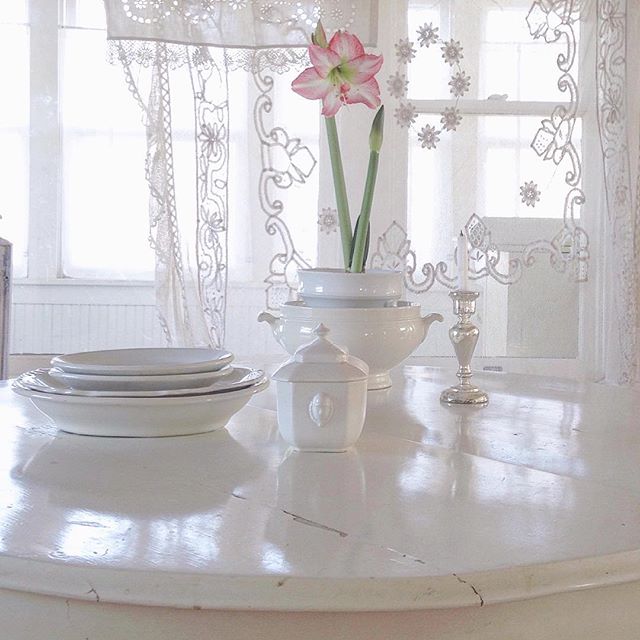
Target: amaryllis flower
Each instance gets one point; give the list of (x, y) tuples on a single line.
[(342, 73)]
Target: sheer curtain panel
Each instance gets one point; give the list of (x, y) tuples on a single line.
[(176, 53)]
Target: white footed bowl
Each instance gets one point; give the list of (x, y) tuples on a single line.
[(383, 337)]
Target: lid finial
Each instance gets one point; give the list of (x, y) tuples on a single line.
[(322, 331)]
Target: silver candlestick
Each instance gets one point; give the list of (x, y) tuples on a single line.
[(464, 336)]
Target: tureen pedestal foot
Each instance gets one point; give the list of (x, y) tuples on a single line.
[(379, 380)]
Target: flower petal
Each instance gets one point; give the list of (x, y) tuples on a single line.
[(363, 68), (310, 84), (367, 93), (324, 60), (331, 103), (346, 45)]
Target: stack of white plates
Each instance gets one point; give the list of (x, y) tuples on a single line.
[(141, 392)]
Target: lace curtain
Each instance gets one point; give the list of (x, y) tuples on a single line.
[(172, 53), (213, 77), (618, 53)]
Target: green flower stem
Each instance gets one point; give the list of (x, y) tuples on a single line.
[(344, 218), (360, 241)]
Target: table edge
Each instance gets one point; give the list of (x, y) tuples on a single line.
[(291, 593)]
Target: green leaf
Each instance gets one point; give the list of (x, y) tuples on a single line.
[(340, 188), (360, 238), (366, 245)]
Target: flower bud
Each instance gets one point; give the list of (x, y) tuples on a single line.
[(319, 37), (377, 128)]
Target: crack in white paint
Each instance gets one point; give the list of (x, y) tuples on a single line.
[(342, 534), (459, 579), (95, 593), (317, 525)]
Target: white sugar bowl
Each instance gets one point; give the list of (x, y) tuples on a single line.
[(322, 396)]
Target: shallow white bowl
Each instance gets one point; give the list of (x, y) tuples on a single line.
[(88, 382), (127, 362), (238, 378), (382, 337), (141, 417)]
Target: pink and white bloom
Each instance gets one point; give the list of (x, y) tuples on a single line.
[(342, 73)]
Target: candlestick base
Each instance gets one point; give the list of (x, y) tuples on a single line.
[(464, 337), (464, 394)]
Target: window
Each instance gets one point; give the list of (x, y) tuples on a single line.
[(14, 130), (484, 166), (104, 202), (75, 198)]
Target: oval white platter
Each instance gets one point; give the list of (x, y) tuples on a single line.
[(237, 378), (151, 361), (141, 417), (87, 382)]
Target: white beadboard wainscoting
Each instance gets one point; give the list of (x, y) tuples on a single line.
[(63, 328), (67, 316)]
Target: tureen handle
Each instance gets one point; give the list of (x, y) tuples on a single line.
[(273, 321), (428, 320)]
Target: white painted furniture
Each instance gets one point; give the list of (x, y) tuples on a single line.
[(517, 521)]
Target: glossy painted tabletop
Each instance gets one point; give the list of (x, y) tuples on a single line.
[(538, 492)]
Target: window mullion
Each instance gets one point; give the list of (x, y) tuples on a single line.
[(44, 142), (490, 107)]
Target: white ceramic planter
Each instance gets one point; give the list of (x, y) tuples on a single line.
[(342, 289), (382, 337)]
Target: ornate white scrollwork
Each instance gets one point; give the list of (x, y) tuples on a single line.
[(285, 161)]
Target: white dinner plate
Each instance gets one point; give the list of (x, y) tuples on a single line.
[(149, 362), (141, 417), (87, 382), (238, 378)]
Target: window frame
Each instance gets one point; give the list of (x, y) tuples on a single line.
[(589, 325)]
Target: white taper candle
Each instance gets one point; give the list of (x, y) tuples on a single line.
[(463, 262)]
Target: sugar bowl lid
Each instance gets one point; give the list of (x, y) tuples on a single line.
[(322, 361)]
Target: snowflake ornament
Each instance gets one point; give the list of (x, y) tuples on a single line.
[(427, 35), (398, 85), (460, 84), (428, 136), (405, 51), (406, 113), (530, 193), (328, 220), (451, 118), (451, 52)]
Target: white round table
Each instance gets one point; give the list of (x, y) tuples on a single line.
[(517, 521)]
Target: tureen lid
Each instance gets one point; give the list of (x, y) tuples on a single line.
[(322, 361)]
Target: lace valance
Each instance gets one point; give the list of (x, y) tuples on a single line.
[(237, 23)]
